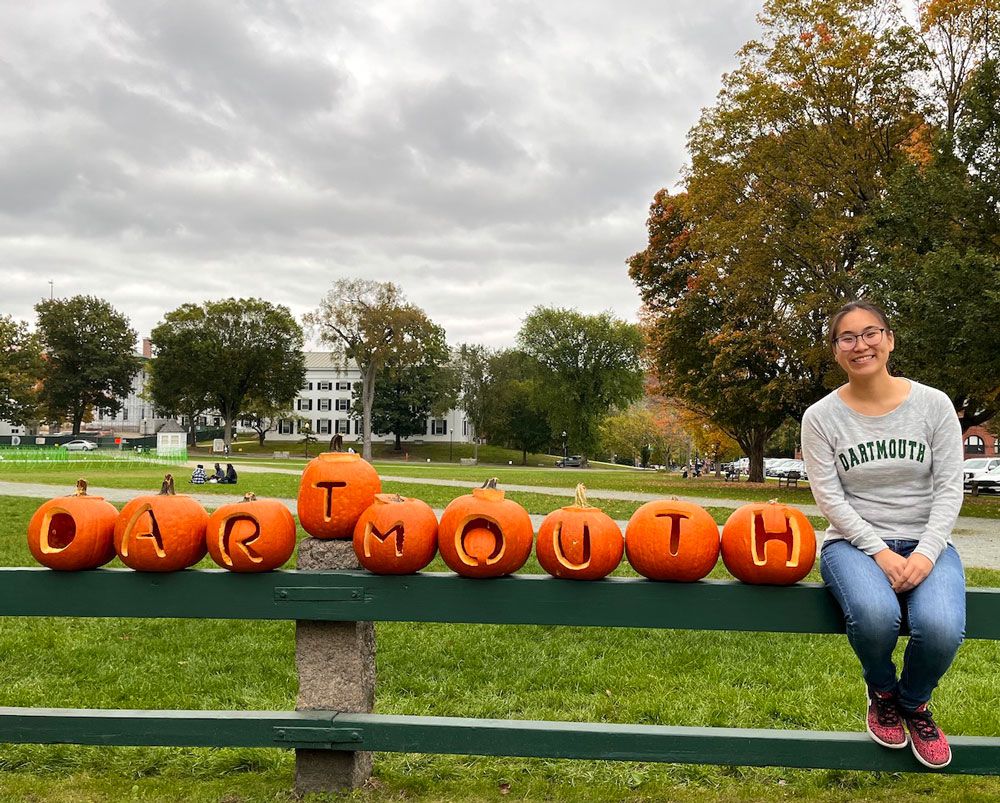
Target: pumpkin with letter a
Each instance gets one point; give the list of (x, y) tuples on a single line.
[(72, 533), (396, 535), (161, 533), (336, 488), (255, 535), (484, 535), (668, 539), (579, 542), (768, 543)]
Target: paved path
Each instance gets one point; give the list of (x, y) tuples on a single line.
[(978, 540)]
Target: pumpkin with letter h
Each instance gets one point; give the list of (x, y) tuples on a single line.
[(768, 544)]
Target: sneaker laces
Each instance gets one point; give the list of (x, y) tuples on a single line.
[(923, 723), (885, 710)]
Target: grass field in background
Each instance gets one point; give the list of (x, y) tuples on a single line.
[(523, 672)]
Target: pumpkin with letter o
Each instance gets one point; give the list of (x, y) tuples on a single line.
[(255, 535), (579, 542), (73, 533), (768, 543), (396, 535), (484, 535), (336, 488), (668, 539), (161, 533)]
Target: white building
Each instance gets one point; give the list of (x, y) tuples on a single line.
[(325, 403)]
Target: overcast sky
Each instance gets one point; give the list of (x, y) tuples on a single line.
[(487, 157)]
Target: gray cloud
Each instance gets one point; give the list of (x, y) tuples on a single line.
[(487, 157)]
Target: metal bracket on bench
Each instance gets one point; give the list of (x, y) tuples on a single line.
[(319, 594), (318, 737)]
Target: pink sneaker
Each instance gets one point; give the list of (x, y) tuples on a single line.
[(928, 741), (884, 723)]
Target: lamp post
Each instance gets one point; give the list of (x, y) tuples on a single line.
[(564, 445)]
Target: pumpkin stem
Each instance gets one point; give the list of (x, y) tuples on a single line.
[(581, 496), (491, 483), (249, 496), (81, 487), (167, 488)]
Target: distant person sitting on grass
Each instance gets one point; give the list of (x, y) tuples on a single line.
[(219, 475), (230, 478), (198, 475)]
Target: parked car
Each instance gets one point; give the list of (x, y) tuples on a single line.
[(985, 481), (574, 460), (977, 465), (79, 446)]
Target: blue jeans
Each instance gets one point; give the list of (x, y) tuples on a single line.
[(875, 614)]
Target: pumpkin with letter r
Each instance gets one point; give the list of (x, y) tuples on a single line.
[(396, 535), (161, 533), (768, 543), (255, 535), (579, 541), (482, 534), (75, 532), (668, 539), (336, 488)]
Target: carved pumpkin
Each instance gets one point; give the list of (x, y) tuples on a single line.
[(769, 544), (255, 535), (668, 539), (396, 535), (161, 533), (484, 535), (579, 542), (73, 532), (336, 488)]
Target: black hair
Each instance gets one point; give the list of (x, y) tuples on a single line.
[(851, 306)]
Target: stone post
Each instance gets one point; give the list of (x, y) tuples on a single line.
[(336, 668)]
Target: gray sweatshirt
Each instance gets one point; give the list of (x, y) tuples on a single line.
[(897, 475)]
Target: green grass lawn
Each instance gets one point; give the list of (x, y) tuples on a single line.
[(529, 672)]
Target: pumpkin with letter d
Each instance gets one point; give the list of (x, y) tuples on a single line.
[(768, 543), (72, 533), (484, 535)]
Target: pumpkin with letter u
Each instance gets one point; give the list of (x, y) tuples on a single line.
[(484, 535), (396, 535), (336, 488), (255, 535), (579, 542), (668, 539), (768, 543), (161, 533), (72, 533)]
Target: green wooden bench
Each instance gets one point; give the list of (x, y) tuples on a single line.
[(523, 599)]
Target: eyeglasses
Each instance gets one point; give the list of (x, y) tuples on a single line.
[(871, 337)]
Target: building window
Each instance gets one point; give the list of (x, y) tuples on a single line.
[(300, 423), (357, 426), (307, 386), (343, 386), (324, 404), (286, 426), (124, 413), (304, 404), (343, 405), (323, 426), (324, 386), (465, 427), (439, 426), (975, 445), (344, 426)]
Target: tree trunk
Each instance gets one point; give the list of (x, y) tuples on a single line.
[(753, 445), (524, 457), (261, 434), (367, 400), (398, 447), (77, 421)]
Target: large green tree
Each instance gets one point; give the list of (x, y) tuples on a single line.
[(236, 350), (89, 358), (587, 366), (20, 372), (417, 381), (514, 411), (366, 322)]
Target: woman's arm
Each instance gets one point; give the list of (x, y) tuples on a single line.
[(946, 482)]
